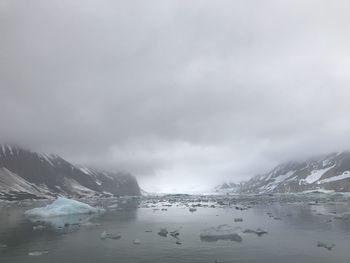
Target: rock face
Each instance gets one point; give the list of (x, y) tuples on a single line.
[(25, 174), (326, 173)]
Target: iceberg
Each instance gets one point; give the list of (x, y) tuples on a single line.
[(63, 207)]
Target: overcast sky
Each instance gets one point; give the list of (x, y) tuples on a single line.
[(183, 94)]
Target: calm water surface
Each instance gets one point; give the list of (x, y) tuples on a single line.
[(294, 228)]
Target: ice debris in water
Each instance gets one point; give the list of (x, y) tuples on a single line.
[(39, 227), (325, 245), (62, 207), (192, 209), (37, 253), (175, 234), (104, 235), (163, 232), (137, 241), (222, 232), (258, 231)]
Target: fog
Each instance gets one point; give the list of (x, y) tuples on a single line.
[(182, 94)]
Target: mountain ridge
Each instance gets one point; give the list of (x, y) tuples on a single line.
[(330, 172), (27, 174)]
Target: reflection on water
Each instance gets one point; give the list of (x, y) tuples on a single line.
[(295, 226), (59, 223)]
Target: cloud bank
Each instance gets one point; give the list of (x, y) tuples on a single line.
[(183, 94)]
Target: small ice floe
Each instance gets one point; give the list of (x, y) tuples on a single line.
[(192, 209), (241, 208), (37, 253), (239, 219), (222, 232), (342, 217), (325, 245), (259, 232), (137, 241), (104, 235), (39, 227), (89, 224), (113, 206), (163, 232)]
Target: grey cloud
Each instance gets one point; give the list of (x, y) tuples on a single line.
[(183, 94)]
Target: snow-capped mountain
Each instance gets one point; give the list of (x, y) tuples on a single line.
[(227, 188), (26, 174), (331, 172)]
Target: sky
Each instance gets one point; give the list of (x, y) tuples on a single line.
[(182, 94)]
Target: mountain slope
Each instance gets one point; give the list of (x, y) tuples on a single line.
[(227, 188), (37, 175), (331, 172)]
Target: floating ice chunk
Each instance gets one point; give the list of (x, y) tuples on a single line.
[(258, 231), (222, 232), (104, 235), (113, 206), (137, 241), (325, 245), (63, 207), (39, 227), (192, 209), (163, 232), (37, 253), (175, 234)]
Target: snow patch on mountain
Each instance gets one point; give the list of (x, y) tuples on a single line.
[(343, 176), (316, 175)]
